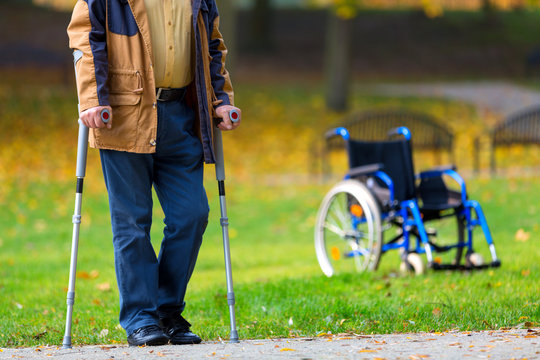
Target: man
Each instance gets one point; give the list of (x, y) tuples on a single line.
[(158, 66)]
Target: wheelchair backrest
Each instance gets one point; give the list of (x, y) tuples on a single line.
[(396, 157)]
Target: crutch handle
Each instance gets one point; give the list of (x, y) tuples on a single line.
[(234, 115), (105, 115)]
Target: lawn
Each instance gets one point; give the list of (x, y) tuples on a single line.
[(272, 202)]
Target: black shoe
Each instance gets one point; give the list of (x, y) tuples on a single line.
[(148, 335), (177, 329)]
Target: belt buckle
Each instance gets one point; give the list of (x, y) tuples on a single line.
[(158, 94)]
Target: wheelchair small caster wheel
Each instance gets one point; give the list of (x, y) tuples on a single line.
[(414, 263), (474, 260)]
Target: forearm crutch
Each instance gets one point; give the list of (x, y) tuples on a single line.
[(234, 115), (82, 151)]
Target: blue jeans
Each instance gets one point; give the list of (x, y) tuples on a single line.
[(152, 287)]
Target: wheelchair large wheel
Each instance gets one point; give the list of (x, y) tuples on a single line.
[(348, 230)]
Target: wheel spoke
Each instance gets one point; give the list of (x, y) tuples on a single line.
[(335, 229), (344, 232)]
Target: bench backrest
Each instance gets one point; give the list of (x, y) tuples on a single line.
[(427, 132), (519, 128)]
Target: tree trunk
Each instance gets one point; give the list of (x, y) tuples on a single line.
[(490, 12), (338, 62), (261, 26), (227, 26)]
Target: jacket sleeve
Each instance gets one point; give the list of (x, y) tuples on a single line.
[(221, 81), (88, 39)]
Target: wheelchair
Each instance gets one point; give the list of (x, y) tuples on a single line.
[(381, 205)]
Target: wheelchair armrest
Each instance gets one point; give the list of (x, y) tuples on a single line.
[(376, 171), (450, 171), (364, 170)]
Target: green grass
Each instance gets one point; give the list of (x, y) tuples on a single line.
[(272, 212), (276, 274)]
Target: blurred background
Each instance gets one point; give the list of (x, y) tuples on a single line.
[(468, 68), (303, 66)]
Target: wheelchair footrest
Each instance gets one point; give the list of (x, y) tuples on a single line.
[(437, 266)]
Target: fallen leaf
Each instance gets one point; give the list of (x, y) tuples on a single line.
[(103, 286), (436, 312), (367, 351), (525, 272), (287, 349), (83, 275), (522, 235)]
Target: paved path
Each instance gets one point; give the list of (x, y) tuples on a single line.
[(501, 98), (500, 344)]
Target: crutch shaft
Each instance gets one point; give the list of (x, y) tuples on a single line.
[(82, 151), (220, 176)]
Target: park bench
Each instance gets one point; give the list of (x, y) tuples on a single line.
[(520, 128), (429, 133)]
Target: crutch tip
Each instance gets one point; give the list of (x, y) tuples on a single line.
[(234, 337)]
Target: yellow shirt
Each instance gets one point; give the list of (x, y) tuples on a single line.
[(171, 32)]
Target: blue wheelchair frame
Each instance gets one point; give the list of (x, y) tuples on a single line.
[(409, 211)]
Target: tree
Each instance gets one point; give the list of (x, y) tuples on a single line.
[(228, 20), (338, 54), (338, 62), (261, 26)]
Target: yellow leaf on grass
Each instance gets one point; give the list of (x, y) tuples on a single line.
[(522, 235), (103, 286), (525, 273), (436, 312), (83, 275)]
